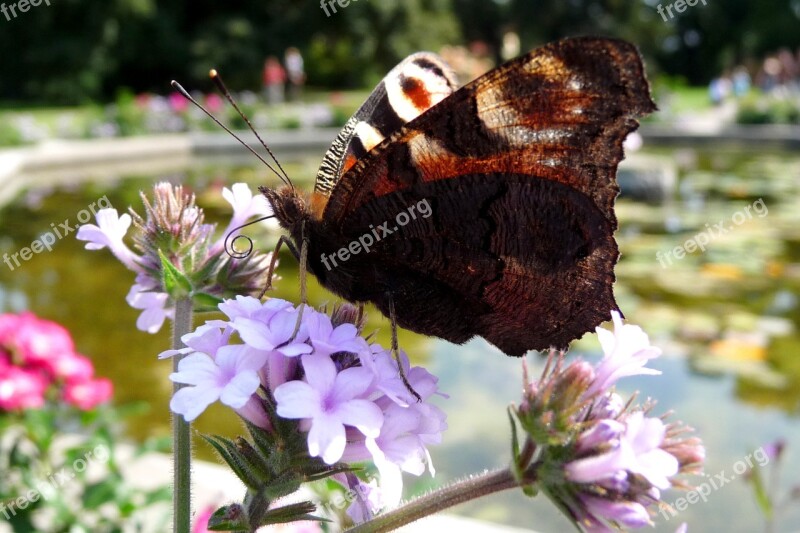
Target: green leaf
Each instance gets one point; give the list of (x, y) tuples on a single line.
[(97, 494), (162, 494), (762, 495), (154, 444), (206, 302), (228, 452), (514, 442), (176, 283), (290, 513)]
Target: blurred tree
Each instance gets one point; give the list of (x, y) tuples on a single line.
[(78, 50), (361, 43)]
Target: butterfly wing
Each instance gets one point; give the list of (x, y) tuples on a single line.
[(416, 84), (518, 169)]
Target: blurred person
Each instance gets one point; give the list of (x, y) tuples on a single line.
[(511, 46), (789, 71), (741, 81), (274, 80), (719, 89), (768, 76), (295, 70)]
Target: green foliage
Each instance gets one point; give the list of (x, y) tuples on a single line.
[(52, 483), (70, 57), (9, 134), (272, 465), (760, 110)]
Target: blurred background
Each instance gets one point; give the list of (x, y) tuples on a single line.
[(86, 111)]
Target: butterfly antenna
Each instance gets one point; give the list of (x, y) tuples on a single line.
[(217, 79), (230, 240), (177, 86)]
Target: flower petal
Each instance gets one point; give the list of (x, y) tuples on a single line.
[(326, 438), (361, 414), (297, 399)]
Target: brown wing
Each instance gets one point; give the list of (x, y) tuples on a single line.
[(519, 169)]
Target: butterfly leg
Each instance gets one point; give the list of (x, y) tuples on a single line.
[(274, 261), (303, 294), (302, 257), (396, 350)]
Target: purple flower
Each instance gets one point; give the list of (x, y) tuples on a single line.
[(330, 400), (604, 432), (153, 306), (635, 448), (249, 307), (205, 339), (245, 206), (328, 340), (346, 396), (173, 228), (230, 376), (626, 351), (369, 499), (109, 232), (641, 444), (615, 458), (626, 513), (274, 334)]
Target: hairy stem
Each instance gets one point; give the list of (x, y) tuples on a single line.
[(459, 492), (181, 436)]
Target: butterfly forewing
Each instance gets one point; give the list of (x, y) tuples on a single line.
[(415, 85), (518, 168)]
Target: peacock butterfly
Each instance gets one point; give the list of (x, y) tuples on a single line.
[(490, 208)]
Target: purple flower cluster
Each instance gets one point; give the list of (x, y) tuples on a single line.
[(614, 458), (346, 394), (174, 228)]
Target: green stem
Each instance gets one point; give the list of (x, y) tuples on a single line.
[(181, 436), (459, 492)]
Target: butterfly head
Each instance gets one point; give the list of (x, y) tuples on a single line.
[(289, 205)]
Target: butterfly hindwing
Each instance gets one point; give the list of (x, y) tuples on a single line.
[(518, 169)]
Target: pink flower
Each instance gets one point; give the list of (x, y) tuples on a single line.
[(213, 102), (21, 389), (9, 323), (178, 103), (40, 342), (88, 394), (201, 522), (71, 368)]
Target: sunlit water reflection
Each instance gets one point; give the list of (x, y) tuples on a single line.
[(727, 319)]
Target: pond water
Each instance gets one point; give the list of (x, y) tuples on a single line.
[(727, 317)]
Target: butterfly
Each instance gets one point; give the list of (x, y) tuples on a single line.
[(481, 211)]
